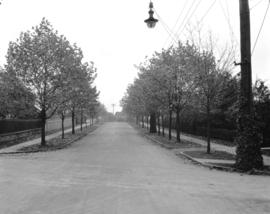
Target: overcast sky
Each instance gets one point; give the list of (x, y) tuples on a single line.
[(113, 35)]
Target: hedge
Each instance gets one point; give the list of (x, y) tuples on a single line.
[(15, 125)]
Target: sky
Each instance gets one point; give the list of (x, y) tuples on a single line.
[(113, 35)]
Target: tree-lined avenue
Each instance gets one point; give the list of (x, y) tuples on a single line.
[(116, 170)]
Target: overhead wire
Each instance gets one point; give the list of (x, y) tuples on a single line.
[(177, 20), (227, 18), (166, 27), (188, 20), (186, 16), (207, 11), (187, 13), (260, 30), (255, 5)]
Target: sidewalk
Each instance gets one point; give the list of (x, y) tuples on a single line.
[(14, 148), (214, 146)]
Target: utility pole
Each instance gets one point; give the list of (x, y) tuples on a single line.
[(248, 154), (246, 69)]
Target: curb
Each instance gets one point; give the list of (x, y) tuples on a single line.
[(223, 168), (211, 166), (139, 129), (189, 157), (54, 149), (158, 142), (37, 151)]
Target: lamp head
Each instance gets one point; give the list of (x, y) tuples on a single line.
[(151, 21)]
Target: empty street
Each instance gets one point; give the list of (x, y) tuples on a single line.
[(115, 170)]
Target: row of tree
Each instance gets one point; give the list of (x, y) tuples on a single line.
[(186, 86), (45, 74)]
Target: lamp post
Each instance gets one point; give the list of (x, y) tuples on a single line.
[(248, 154), (151, 21)]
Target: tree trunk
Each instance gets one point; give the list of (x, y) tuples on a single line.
[(81, 119), (43, 126), (158, 121), (170, 124), (147, 122), (208, 130), (73, 120), (153, 125), (142, 121), (63, 127), (178, 124), (163, 125)]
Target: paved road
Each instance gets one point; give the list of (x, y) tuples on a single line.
[(115, 170)]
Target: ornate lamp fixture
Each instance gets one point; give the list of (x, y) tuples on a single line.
[(151, 21)]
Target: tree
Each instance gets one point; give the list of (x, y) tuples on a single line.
[(186, 81), (262, 110), (36, 60), (133, 102), (209, 81), (211, 68), (69, 62), (184, 73), (93, 105), (16, 101), (163, 67), (80, 89)]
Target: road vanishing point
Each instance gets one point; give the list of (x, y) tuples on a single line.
[(115, 170)]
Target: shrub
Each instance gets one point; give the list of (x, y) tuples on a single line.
[(16, 125)]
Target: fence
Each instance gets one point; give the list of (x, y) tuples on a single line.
[(218, 133), (10, 126), (56, 124), (14, 131)]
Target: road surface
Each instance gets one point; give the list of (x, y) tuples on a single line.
[(114, 170)]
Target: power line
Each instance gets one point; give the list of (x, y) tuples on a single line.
[(255, 5), (192, 13), (257, 38), (180, 14), (204, 15), (166, 27), (177, 20), (184, 18), (227, 18), (187, 14), (208, 10)]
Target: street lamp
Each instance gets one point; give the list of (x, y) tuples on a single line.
[(248, 153), (151, 21)]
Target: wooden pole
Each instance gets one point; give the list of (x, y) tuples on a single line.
[(248, 154)]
